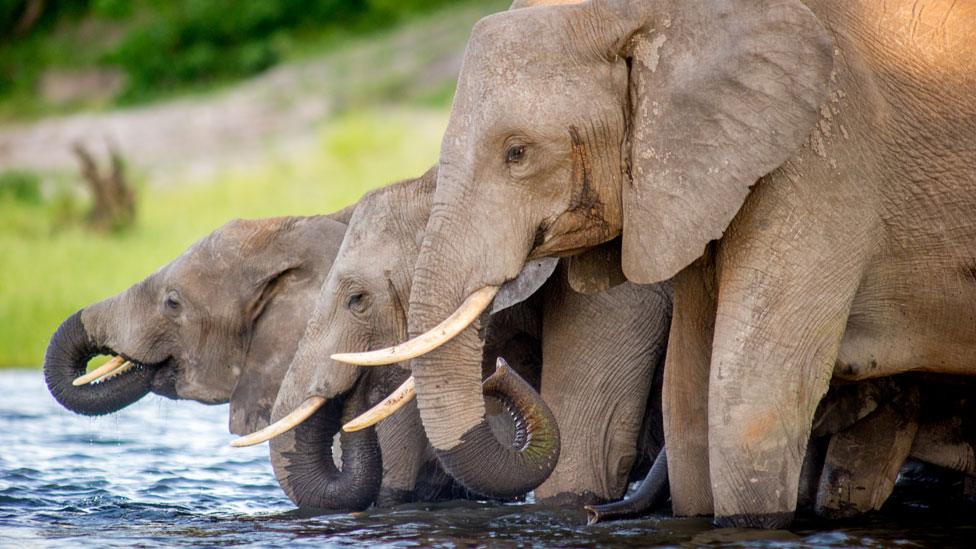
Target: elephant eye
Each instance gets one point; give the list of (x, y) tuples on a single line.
[(356, 302), (172, 301), (515, 154)]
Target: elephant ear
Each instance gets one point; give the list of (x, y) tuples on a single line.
[(597, 269), (288, 263), (268, 358), (722, 93)]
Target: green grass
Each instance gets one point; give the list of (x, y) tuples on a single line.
[(48, 270)]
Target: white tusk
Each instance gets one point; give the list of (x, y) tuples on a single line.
[(102, 371), (424, 343), (398, 399), (118, 371), (283, 425)]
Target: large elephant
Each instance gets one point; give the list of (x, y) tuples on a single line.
[(218, 324), (599, 353), (802, 170)]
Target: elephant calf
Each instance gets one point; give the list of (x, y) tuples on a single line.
[(864, 433)]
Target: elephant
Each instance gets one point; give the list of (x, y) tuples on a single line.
[(864, 433), (611, 341), (800, 169), (218, 324)]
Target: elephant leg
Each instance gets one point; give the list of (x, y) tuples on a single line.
[(810, 473), (599, 354), (684, 398), (787, 276), (863, 461)]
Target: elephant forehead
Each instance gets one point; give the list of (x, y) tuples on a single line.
[(506, 47)]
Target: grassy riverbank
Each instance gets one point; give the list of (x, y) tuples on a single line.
[(48, 271)]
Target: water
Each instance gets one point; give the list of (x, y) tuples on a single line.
[(161, 473)]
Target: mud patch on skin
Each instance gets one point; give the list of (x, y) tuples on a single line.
[(759, 428), (648, 52), (583, 224)]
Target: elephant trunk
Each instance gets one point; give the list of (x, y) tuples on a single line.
[(653, 491), (449, 388), (304, 466), (67, 358)]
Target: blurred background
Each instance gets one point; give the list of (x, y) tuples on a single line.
[(131, 128)]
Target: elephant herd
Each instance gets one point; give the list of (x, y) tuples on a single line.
[(723, 247)]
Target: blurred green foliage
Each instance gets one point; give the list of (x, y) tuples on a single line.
[(20, 186), (162, 45)]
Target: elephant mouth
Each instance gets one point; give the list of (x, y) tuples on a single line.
[(164, 380), (66, 363), (121, 365), (162, 375)]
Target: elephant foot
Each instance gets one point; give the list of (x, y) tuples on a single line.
[(766, 521), (653, 491)]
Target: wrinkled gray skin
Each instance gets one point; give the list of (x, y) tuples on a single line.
[(611, 341), (824, 149), (218, 324)]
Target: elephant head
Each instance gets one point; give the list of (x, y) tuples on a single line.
[(575, 124), (363, 304), (218, 324)]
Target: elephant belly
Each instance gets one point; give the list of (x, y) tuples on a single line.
[(912, 316)]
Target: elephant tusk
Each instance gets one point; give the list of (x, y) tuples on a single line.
[(283, 425), (424, 343), (389, 406), (118, 371), (102, 372)]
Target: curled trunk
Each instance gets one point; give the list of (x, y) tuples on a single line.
[(507, 470), (304, 466), (67, 358), (449, 382)]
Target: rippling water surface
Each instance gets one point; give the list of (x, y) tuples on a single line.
[(161, 473)]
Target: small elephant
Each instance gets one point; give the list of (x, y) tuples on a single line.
[(218, 324), (864, 432), (801, 170), (599, 353)]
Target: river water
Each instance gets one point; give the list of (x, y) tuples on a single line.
[(160, 473)]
